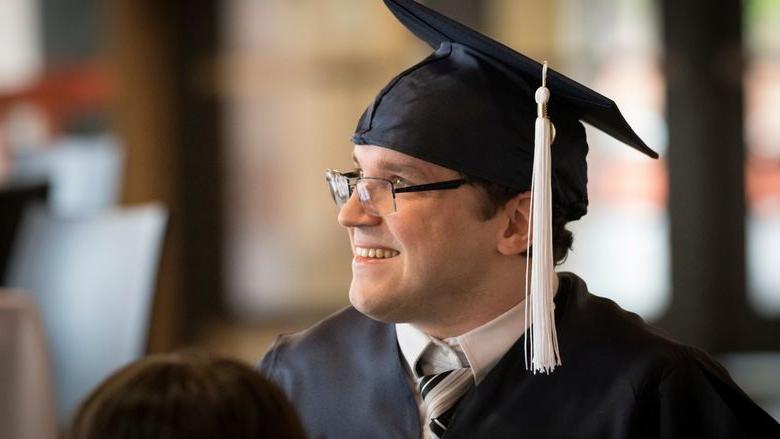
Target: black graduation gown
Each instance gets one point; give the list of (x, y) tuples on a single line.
[(620, 378)]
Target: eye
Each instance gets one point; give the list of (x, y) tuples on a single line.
[(399, 181)]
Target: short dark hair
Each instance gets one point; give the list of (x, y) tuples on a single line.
[(497, 195), (189, 396)]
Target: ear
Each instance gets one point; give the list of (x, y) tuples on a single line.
[(514, 236)]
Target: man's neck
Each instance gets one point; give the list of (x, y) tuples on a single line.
[(473, 314)]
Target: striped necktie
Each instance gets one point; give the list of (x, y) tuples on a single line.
[(441, 392)]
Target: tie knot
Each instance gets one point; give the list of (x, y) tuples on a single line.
[(439, 357)]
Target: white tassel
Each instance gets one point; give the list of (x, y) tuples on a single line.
[(539, 305)]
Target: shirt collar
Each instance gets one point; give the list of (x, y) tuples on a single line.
[(412, 343), (483, 346)]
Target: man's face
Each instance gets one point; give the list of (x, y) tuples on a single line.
[(436, 250)]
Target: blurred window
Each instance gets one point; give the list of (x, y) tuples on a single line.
[(621, 246), (762, 132)]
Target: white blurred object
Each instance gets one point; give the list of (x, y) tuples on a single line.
[(758, 374), (84, 172), (622, 252), (87, 174), (763, 262), (26, 388), (21, 51), (93, 278)]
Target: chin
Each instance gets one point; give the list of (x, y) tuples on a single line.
[(376, 304)]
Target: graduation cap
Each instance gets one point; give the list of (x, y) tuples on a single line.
[(477, 106)]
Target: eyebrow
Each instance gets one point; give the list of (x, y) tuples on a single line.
[(400, 168)]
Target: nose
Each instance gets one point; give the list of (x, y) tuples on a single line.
[(352, 214)]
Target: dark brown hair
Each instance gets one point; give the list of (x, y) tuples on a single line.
[(498, 195), (186, 396)]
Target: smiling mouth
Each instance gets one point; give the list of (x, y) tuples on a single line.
[(375, 253)]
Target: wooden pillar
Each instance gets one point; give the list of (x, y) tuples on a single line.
[(140, 52), (198, 146), (167, 120), (704, 65)]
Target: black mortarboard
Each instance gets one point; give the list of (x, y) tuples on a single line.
[(469, 106)]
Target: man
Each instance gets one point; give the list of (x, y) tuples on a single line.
[(456, 215)]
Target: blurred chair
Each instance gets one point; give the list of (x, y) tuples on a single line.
[(83, 172), (93, 278), (27, 408), (86, 173)]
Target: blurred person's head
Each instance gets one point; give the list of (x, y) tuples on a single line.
[(185, 396)]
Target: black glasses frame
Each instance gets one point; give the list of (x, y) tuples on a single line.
[(354, 176)]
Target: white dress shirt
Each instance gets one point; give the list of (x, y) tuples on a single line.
[(481, 348)]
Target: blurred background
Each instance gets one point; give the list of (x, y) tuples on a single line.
[(161, 171)]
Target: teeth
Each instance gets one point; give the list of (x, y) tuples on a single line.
[(377, 253)]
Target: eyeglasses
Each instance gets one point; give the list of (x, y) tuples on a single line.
[(377, 195)]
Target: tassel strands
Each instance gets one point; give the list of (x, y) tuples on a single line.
[(540, 288)]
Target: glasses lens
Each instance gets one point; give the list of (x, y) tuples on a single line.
[(339, 187), (376, 195)]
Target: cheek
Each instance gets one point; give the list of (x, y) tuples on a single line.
[(446, 234), (412, 236)]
